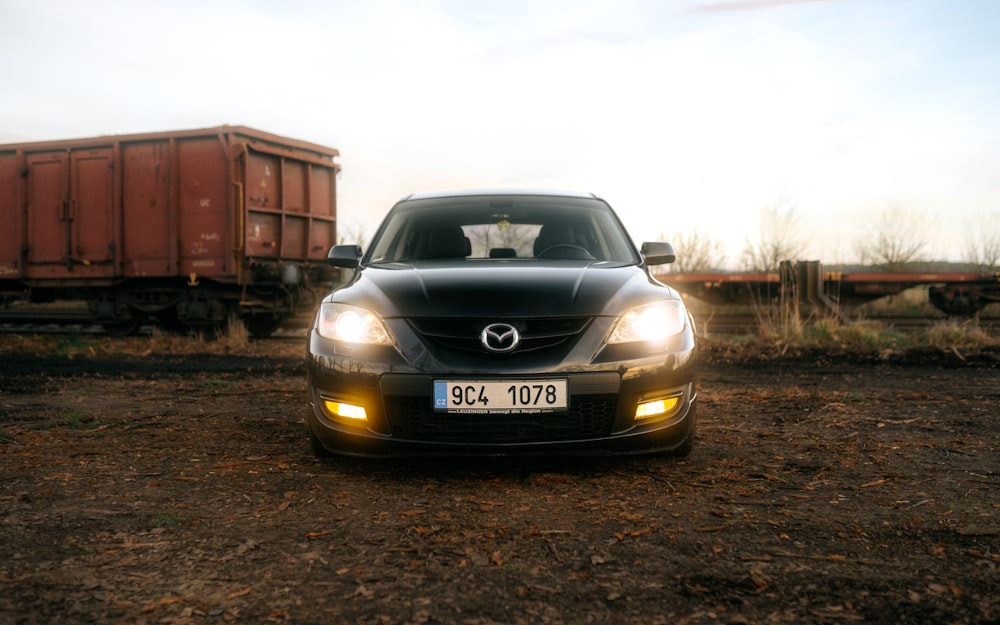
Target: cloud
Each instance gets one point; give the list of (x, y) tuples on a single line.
[(746, 5)]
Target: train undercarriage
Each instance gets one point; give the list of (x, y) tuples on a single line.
[(183, 306)]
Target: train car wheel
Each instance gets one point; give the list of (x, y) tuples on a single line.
[(117, 318), (262, 325), (167, 320)]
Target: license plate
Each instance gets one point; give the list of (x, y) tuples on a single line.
[(500, 397)]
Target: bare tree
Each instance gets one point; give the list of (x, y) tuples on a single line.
[(897, 238), (779, 238), (354, 234), (697, 251), (983, 246)]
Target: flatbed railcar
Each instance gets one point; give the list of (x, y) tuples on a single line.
[(953, 293), (188, 229)]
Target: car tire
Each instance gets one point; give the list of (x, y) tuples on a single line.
[(687, 445), (317, 447), (685, 448)]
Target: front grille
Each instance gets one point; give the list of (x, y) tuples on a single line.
[(462, 335), (412, 418)]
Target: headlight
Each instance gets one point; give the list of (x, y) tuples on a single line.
[(352, 324), (651, 322)]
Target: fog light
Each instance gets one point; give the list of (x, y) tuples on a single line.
[(345, 411), (656, 408)]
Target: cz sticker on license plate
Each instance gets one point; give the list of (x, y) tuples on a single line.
[(500, 396)]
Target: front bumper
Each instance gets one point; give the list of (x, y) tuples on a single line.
[(668, 437), (600, 419)]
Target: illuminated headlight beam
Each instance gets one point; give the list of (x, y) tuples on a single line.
[(352, 324), (651, 322)]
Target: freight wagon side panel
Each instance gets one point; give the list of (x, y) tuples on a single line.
[(291, 207), (263, 201), (146, 223), (323, 202), (295, 233), (47, 210), (70, 215), (11, 216), (94, 247), (204, 232)]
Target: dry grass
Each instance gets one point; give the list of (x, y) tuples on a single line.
[(830, 332), (953, 333), (775, 328)]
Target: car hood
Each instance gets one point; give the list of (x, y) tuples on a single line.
[(501, 290)]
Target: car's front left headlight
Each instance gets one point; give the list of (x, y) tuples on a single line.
[(651, 322), (352, 324)]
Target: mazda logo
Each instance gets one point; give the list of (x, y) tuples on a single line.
[(500, 338)]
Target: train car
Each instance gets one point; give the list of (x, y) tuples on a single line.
[(188, 228), (953, 293)]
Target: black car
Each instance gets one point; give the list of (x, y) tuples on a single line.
[(501, 322)]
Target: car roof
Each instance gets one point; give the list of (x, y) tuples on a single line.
[(487, 192)]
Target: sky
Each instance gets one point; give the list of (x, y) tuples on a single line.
[(685, 115)]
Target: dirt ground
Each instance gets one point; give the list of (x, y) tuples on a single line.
[(181, 489)]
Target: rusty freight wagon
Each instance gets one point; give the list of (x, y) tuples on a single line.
[(188, 228)]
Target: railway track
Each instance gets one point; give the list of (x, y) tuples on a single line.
[(74, 318), (92, 329)]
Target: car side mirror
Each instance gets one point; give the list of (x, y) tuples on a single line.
[(344, 256), (658, 253)]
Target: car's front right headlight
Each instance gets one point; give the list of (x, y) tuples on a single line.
[(352, 324)]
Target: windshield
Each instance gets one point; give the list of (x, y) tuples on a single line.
[(511, 227)]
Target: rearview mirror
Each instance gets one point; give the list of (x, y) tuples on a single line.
[(658, 253)]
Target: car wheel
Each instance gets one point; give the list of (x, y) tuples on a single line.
[(685, 448)]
